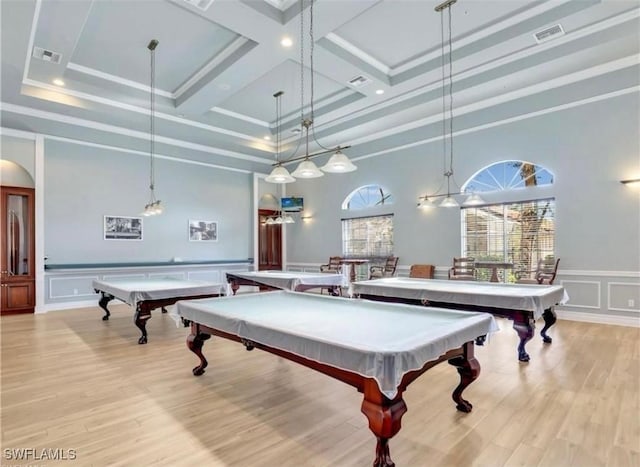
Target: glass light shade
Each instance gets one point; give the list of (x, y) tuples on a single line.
[(288, 219), (307, 169), (425, 203), (279, 174), (449, 202), (270, 221), (278, 220), (339, 163), (473, 199), (158, 208)]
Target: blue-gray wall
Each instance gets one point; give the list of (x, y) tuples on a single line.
[(589, 149), (83, 184)]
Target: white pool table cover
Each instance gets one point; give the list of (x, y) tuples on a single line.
[(378, 340), (288, 280), (535, 298), (131, 291)]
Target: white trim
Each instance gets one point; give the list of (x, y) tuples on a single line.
[(484, 32), (628, 284), (598, 318), (39, 220), (489, 66), (66, 278), (32, 38), (125, 276), (358, 53), (17, 133), (239, 116), (570, 78), (126, 132), (256, 218), (118, 79), (235, 45), (62, 306), (496, 123), (168, 274), (140, 110), (145, 154), (599, 273)]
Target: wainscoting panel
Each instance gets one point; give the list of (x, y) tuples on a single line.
[(624, 296)]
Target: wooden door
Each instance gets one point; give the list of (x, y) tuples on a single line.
[(269, 242), (17, 251)]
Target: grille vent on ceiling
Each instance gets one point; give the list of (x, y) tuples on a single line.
[(200, 4), (47, 55), (549, 33), (359, 81)]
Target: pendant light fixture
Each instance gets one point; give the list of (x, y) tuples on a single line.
[(449, 201), (279, 174), (338, 162), (154, 206)]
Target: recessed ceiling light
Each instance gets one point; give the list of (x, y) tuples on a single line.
[(286, 42), (58, 82), (267, 137), (379, 91)]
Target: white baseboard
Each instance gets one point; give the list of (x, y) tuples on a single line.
[(599, 318), (66, 306)]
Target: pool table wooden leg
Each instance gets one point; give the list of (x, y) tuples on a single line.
[(550, 319), (140, 319), (525, 327), (384, 417), (469, 369), (195, 341), (102, 303)]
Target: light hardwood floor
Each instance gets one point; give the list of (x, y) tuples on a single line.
[(72, 381)]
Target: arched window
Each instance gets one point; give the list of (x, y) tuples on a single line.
[(508, 175), (367, 196), (371, 236), (516, 234)]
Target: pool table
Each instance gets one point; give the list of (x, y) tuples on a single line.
[(288, 280), (378, 348), (145, 295), (521, 303)]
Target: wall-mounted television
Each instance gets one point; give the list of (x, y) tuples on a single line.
[(292, 204)]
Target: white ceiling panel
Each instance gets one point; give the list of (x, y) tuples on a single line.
[(185, 39)]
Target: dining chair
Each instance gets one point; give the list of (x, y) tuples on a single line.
[(545, 273), (386, 270), (422, 271), (463, 269)]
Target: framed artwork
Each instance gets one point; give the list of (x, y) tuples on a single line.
[(122, 228), (203, 231)]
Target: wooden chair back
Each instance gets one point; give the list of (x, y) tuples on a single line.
[(422, 271), (545, 273), (387, 270), (464, 268), (333, 266)]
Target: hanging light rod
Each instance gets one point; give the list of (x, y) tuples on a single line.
[(632, 181), (444, 5), (295, 159)]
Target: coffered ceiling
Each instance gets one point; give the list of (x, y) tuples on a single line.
[(218, 68)]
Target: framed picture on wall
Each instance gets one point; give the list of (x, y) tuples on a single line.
[(203, 231), (122, 228)]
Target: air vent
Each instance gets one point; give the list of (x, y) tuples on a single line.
[(200, 4), (359, 81), (47, 55), (549, 33), (296, 130)]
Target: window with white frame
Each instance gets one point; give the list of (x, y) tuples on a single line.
[(370, 236), (520, 232)]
